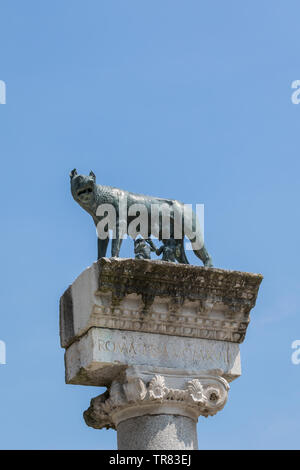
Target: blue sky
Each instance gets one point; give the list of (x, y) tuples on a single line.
[(186, 100)]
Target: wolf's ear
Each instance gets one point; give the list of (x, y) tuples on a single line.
[(73, 173), (92, 174)]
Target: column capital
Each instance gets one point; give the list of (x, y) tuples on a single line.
[(156, 391)]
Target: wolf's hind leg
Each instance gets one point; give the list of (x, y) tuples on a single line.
[(204, 256)]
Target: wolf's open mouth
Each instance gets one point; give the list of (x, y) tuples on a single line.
[(84, 191)]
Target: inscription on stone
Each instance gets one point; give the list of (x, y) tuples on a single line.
[(167, 351), (132, 348)]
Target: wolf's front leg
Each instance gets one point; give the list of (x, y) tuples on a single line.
[(117, 239), (115, 247), (102, 247)]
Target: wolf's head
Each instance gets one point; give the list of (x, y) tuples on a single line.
[(82, 187)]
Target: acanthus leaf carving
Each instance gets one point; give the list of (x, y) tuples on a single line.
[(157, 388), (195, 390)]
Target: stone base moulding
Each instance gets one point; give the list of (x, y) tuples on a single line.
[(162, 337)]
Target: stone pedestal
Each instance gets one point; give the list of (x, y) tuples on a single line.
[(163, 338)]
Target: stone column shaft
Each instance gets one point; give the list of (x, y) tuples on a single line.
[(158, 432)]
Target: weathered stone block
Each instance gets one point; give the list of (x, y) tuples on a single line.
[(101, 354), (163, 337), (159, 297)]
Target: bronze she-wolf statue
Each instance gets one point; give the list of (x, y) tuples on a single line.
[(90, 196)]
